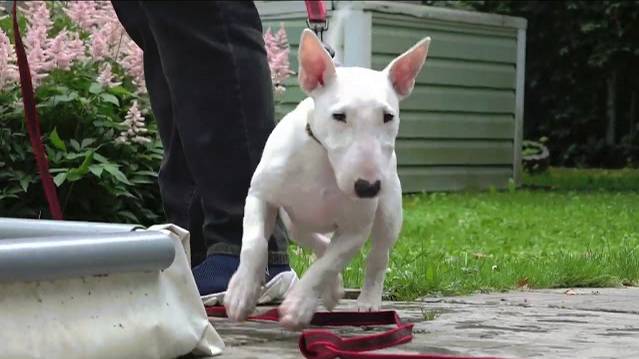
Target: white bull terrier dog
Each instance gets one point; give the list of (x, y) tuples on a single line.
[(329, 166)]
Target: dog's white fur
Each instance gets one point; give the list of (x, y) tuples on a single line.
[(311, 183)]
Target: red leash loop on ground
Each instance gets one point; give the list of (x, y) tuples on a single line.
[(316, 10), (324, 344), (33, 123)]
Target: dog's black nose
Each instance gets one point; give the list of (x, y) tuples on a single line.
[(365, 189)]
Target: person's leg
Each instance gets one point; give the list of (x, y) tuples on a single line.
[(179, 196), (213, 58)]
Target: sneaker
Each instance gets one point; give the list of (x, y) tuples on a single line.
[(213, 275), (279, 280)]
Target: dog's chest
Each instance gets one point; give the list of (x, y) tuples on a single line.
[(314, 201)]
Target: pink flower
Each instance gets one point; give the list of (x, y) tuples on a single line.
[(8, 69), (38, 24), (269, 41), (133, 63), (101, 22), (35, 42), (105, 13), (38, 15), (91, 16), (99, 46), (281, 38), (65, 48), (83, 13), (105, 78), (39, 64), (277, 51), (135, 130), (108, 40), (43, 53)]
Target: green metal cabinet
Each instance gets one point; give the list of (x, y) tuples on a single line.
[(462, 126)]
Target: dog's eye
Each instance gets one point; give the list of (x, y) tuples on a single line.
[(388, 117), (339, 117)]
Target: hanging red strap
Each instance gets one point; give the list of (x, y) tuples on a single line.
[(316, 10), (324, 344), (33, 123), (317, 21)]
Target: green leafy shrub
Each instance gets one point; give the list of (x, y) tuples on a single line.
[(97, 177), (100, 137)]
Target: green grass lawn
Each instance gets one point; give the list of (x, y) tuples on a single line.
[(566, 228)]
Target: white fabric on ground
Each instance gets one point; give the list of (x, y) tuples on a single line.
[(153, 315)]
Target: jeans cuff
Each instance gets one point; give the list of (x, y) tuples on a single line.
[(277, 258), (274, 258)]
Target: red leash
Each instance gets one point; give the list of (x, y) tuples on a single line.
[(33, 122), (324, 344), (316, 11), (317, 20)]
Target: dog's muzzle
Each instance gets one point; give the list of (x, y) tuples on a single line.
[(365, 189)]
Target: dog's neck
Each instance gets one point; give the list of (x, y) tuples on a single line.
[(310, 133)]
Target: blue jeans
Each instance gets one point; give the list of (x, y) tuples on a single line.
[(210, 89)]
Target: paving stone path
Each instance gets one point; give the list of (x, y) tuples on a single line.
[(558, 323)]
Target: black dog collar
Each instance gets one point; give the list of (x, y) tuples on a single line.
[(310, 133)]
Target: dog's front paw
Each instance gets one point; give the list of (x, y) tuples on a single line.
[(368, 302), (297, 309), (242, 295), (333, 293)]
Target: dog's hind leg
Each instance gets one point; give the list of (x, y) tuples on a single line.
[(386, 228), (317, 243), (244, 287)]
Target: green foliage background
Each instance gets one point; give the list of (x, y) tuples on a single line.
[(573, 49)]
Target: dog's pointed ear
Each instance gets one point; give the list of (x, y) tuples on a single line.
[(316, 68), (403, 71)]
